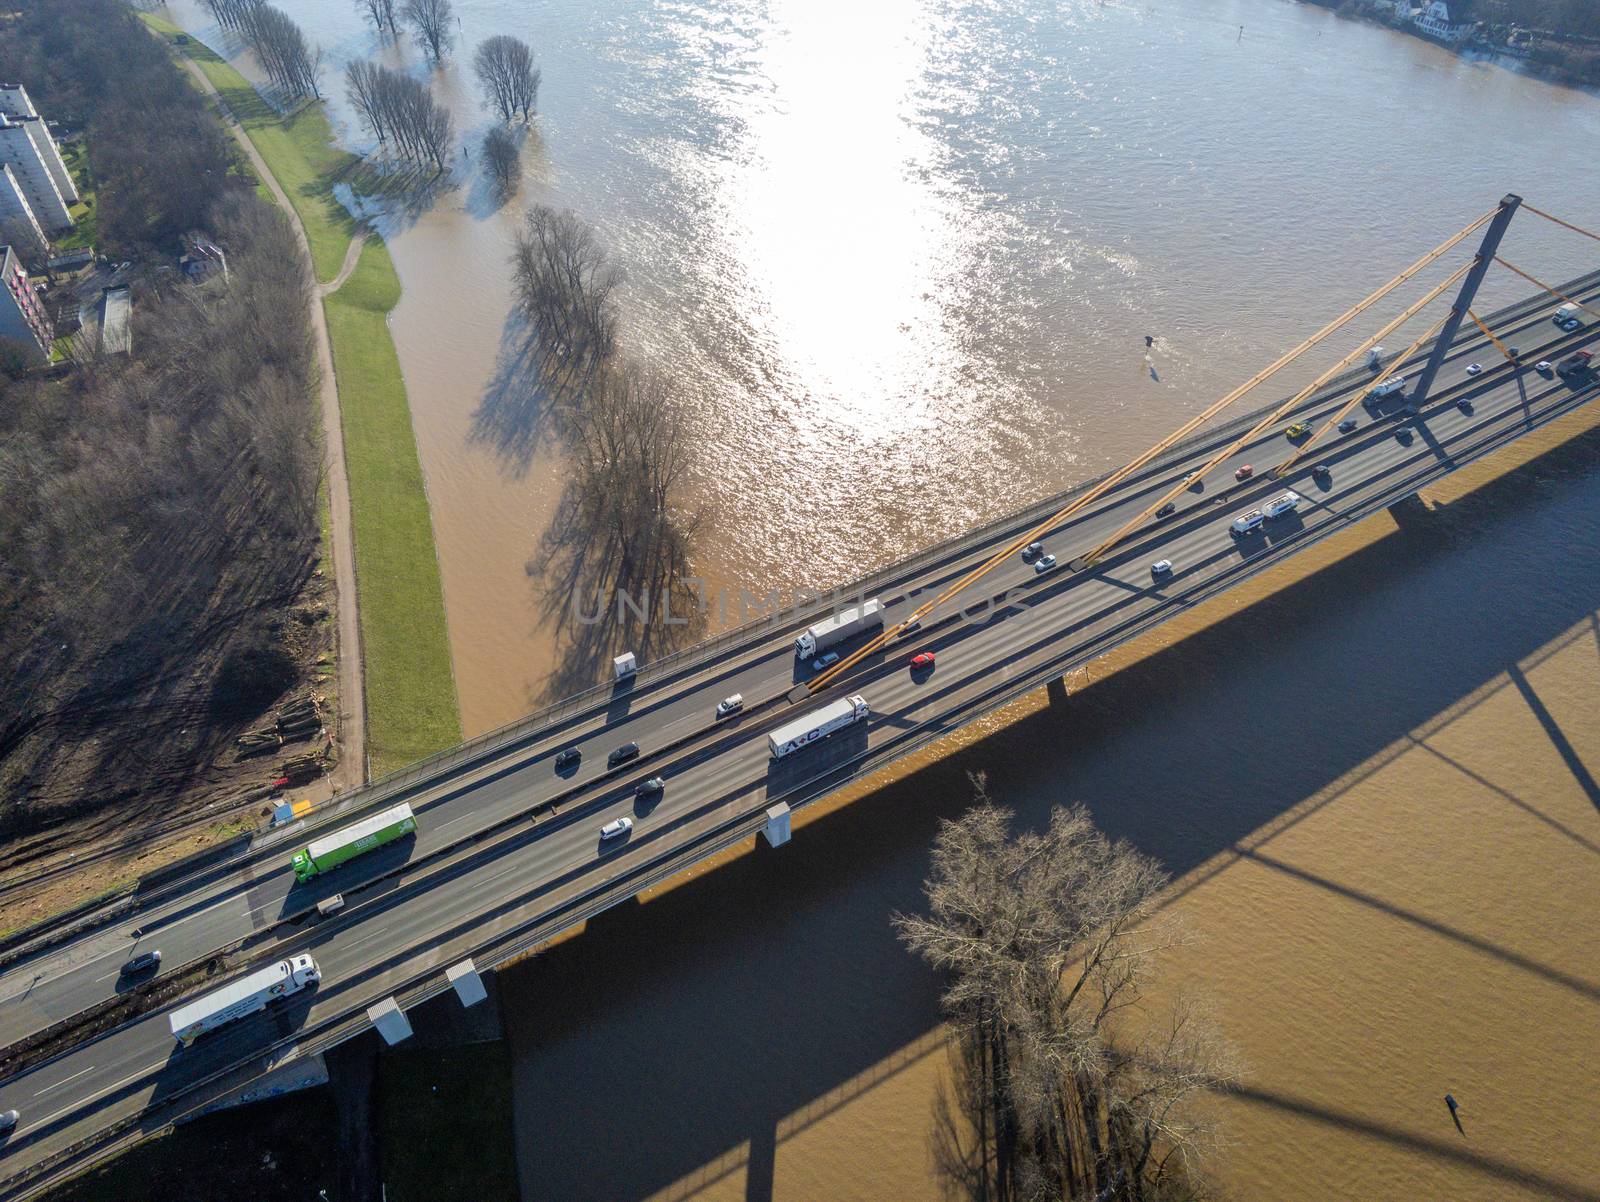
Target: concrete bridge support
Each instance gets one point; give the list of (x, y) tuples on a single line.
[(1409, 512), (1056, 691), (467, 983), (777, 828), (390, 1020)]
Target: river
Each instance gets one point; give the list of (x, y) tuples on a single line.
[(900, 259)]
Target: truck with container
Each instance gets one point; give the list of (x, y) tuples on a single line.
[(332, 850), (1388, 388), (1574, 365), (818, 724), (1565, 314), (842, 625), (247, 995)]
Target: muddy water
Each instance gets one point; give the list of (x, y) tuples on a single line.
[(901, 257), (1385, 845)]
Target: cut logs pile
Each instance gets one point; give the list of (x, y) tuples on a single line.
[(300, 719)]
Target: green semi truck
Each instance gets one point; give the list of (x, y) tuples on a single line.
[(332, 850)]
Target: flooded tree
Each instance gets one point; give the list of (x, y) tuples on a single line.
[(505, 68), (430, 22), (383, 16), (502, 159), (291, 63), (400, 112), (1062, 1086), (565, 285)]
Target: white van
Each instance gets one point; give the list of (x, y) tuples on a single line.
[(1388, 388), (1246, 523), (1278, 506)]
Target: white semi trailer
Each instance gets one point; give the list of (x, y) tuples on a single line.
[(841, 626), (818, 724), (244, 996)]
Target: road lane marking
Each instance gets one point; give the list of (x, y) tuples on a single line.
[(64, 1080)]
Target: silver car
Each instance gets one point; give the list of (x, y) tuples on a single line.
[(1045, 563), (616, 827)]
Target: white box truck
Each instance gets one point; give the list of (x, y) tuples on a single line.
[(1388, 388), (841, 626), (1565, 314), (244, 996), (818, 724)]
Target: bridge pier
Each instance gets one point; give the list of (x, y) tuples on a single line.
[(390, 1020), (777, 828), (1409, 512), (467, 983), (1056, 691)]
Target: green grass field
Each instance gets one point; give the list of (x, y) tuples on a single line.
[(85, 212), (410, 684), (434, 1110), (411, 699)]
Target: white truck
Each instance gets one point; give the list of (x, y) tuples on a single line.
[(1565, 314), (841, 626), (818, 724), (244, 996), (1390, 386)]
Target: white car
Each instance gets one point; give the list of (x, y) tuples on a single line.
[(1543, 367), (1278, 506), (730, 705), (1046, 562), (1160, 568), (1474, 368), (617, 826)]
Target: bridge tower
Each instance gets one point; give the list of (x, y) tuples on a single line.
[(1469, 289)]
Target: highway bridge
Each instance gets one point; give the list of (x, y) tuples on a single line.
[(508, 852)]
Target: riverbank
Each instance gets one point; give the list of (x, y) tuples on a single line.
[(401, 670), (1386, 876)]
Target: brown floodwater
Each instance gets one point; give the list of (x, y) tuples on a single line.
[(900, 259), (1374, 786)]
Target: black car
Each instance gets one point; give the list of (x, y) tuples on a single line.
[(651, 787), (143, 962), (8, 1122), (1167, 510), (567, 759), (1348, 425), (622, 754), (1322, 473)]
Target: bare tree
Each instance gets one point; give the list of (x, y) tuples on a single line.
[(505, 68), (400, 112), (289, 61), (502, 159), (1060, 1089), (564, 285), (430, 22), (382, 15)]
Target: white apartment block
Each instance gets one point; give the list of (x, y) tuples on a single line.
[(35, 160), (15, 211)]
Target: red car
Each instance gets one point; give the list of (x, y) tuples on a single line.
[(921, 663), (1244, 473)]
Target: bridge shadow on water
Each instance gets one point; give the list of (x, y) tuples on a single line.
[(676, 1039)]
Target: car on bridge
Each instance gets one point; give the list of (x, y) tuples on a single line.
[(622, 755), (616, 827), (824, 661), (1474, 369), (1574, 364), (1571, 324), (568, 759), (1167, 510), (1298, 430), (1244, 473), (8, 1122), (143, 962), (1348, 425), (731, 704), (1195, 483), (651, 788), (1160, 568), (1032, 552), (1046, 562), (1544, 368), (923, 662)]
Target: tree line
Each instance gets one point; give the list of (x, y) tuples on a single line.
[(612, 573), (1063, 1087), (400, 112), (292, 64)]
